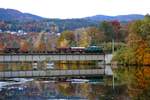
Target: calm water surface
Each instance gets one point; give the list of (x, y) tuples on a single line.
[(131, 83)]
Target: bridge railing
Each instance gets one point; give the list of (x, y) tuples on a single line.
[(52, 57)]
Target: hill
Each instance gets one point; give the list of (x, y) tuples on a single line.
[(11, 14), (14, 20), (121, 18)]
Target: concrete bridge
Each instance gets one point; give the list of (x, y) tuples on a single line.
[(51, 57), (56, 73)]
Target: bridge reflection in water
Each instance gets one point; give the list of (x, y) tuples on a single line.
[(56, 73)]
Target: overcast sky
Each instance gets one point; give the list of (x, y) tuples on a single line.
[(78, 8)]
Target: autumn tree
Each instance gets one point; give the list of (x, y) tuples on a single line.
[(107, 28), (96, 36), (39, 45), (70, 37), (62, 41), (82, 37), (1, 47), (24, 45), (138, 42)]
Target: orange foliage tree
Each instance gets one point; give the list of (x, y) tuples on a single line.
[(24, 46), (1, 47)]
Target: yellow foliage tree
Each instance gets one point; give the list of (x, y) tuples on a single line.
[(39, 46), (64, 43), (84, 40), (24, 46), (140, 51)]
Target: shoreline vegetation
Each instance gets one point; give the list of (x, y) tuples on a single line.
[(137, 49)]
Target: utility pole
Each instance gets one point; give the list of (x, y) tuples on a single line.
[(46, 43), (113, 46)]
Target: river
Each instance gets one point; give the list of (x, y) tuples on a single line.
[(130, 83)]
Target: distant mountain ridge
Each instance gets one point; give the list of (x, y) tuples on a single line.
[(13, 20), (127, 18), (11, 14)]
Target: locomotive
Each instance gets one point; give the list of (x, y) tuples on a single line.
[(90, 49), (77, 50)]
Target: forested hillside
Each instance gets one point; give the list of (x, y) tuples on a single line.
[(14, 20)]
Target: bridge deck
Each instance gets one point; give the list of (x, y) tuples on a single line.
[(52, 57), (55, 73)]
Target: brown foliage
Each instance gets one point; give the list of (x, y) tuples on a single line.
[(1, 47)]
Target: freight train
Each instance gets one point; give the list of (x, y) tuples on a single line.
[(90, 49)]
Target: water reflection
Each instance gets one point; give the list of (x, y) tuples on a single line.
[(42, 90), (136, 80), (131, 83), (16, 66)]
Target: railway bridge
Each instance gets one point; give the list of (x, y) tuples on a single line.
[(51, 57)]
